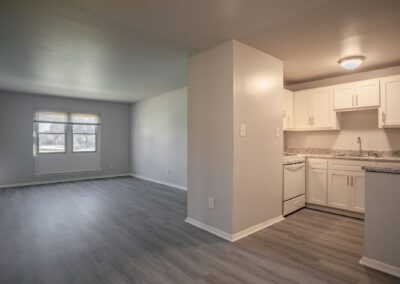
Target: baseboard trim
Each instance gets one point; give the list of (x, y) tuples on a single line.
[(381, 266), (256, 228), (61, 180), (237, 236), (335, 211), (159, 181), (210, 229)]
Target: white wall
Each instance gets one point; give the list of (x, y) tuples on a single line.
[(159, 138), (16, 135), (210, 136), (230, 85), (258, 100), (354, 124)]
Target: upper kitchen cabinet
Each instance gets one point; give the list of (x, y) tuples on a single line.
[(357, 95), (313, 110), (287, 109), (389, 113)]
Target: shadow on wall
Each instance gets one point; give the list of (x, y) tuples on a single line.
[(356, 123)]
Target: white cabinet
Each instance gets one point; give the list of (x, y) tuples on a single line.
[(320, 108), (317, 186), (357, 95), (313, 109), (389, 112), (357, 192), (300, 110), (337, 183), (346, 189), (287, 109), (338, 191)]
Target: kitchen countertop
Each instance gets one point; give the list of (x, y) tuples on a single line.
[(354, 158), (382, 170), (373, 156)]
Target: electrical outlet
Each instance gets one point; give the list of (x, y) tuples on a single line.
[(211, 202)]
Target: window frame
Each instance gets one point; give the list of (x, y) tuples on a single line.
[(96, 140), (68, 134)]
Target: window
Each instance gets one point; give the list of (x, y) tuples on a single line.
[(51, 132), (54, 131), (84, 132)]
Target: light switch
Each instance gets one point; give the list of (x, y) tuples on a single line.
[(242, 130)]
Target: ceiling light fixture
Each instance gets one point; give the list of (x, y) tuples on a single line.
[(351, 62)]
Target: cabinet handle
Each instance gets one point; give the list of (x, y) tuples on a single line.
[(356, 100)]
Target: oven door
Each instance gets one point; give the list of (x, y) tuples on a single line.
[(294, 180)]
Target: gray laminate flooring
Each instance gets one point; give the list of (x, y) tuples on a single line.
[(126, 230)]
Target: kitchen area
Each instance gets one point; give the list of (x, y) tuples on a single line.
[(342, 156)]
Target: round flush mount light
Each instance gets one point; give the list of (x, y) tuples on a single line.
[(352, 62)]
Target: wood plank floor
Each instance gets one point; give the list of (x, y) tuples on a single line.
[(125, 230)]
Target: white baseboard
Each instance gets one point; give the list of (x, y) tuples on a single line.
[(236, 236), (159, 182), (210, 229), (381, 266), (62, 180), (255, 228)]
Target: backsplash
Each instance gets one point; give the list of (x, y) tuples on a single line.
[(355, 124)]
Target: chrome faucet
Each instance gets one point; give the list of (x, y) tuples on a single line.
[(360, 144)]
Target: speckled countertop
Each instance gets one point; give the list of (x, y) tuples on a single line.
[(382, 170), (371, 156)]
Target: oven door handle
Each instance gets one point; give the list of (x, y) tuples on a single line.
[(295, 167)]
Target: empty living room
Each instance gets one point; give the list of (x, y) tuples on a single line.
[(199, 141)]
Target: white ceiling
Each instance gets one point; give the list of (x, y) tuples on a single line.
[(125, 50)]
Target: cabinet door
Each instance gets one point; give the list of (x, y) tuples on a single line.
[(338, 189), (343, 97), (317, 186), (357, 192), (320, 106), (389, 114), (287, 109), (367, 94), (301, 112)]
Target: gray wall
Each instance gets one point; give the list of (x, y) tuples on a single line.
[(159, 138), (382, 223), (16, 130)]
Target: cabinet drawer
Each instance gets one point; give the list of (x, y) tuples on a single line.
[(294, 204), (318, 163), (344, 165)]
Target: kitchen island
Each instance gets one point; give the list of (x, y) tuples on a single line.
[(382, 220)]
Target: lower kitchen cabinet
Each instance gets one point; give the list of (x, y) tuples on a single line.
[(317, 186), (338, 189), (357, 192), (337, 184), (346, 190)]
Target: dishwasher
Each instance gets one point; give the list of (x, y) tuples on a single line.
[(294, 183)]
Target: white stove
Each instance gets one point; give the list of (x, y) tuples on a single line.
[(294, 183)]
